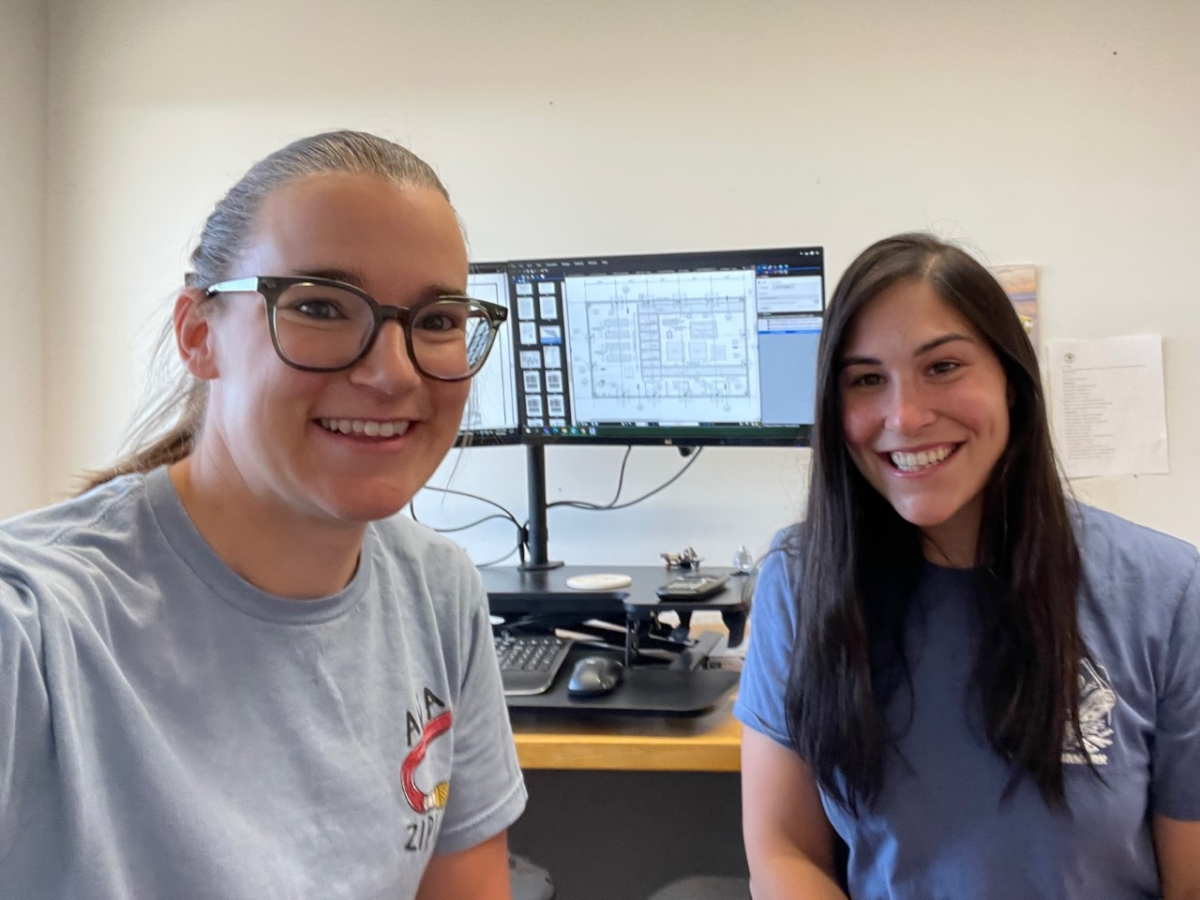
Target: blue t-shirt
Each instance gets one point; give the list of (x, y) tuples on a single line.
[(940, 828), (169, 730)]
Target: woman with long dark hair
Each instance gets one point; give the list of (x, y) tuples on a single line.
[(981, 687)]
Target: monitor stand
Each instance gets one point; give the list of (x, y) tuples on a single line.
[(536, 538)]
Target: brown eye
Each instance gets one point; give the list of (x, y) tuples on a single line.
[(866, 380), (319, 309)]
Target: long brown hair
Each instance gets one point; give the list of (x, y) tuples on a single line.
[(165, 431), (856, 560)]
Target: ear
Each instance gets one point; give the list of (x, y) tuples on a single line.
[(193, 336)]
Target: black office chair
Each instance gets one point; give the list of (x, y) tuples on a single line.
[(529, 882), (704, 887)]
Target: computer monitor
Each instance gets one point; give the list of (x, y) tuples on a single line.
[(688, 349), (490, 418), (681, 348)]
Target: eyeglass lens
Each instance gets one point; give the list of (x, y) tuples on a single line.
[(325, 327)]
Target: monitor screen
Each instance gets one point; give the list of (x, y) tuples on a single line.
[(681, 348), (491, 414)]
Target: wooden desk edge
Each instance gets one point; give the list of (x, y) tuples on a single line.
[(710, 743)]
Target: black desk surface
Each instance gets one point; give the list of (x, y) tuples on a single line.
[(644, 690), (511, 590)]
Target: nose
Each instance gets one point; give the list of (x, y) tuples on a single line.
[(387, 367), (908, 410)]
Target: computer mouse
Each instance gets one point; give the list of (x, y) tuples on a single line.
[(594, 676)]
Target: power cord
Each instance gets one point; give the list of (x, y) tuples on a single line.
[(522, 530), (613, 504), (585, 505)]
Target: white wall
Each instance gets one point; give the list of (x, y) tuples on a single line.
[(24, 37), (1063, 134)]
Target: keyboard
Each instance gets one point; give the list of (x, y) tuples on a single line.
[(529, 662)]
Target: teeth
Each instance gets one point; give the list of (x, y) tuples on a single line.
[(910, 462), (368, 427)]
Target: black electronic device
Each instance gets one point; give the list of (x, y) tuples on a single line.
[(693, 586), (490, 417), (674, 348), (685, 349), (594, 676), (529, 662), (645, 690)]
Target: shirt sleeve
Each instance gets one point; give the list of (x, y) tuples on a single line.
[(26, 749), (487, 790), (760, 703), (1176, 784)]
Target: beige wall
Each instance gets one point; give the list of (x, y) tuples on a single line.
[(1063, 134), (23, 77)]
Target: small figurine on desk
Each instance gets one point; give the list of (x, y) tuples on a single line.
[(688, 559)]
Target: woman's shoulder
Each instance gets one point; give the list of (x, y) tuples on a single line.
[(417, 541), (1135, 581), (47, 554), (778, 577), (420, 552), (57, 534), (1122, 549)]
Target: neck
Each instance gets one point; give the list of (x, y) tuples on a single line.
[(954, 543), (942, 554), (276, 549)]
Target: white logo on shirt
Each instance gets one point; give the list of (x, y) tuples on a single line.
[(1096, 702)]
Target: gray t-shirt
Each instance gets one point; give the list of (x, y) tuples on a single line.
[(169, 730)]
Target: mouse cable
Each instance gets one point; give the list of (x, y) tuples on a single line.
[(595, 507)]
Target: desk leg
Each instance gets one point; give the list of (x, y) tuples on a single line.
[(623, 835)]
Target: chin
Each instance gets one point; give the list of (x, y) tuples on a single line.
[(924, 516), (366, 506)]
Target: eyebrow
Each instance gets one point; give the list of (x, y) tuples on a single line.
[(847, 361), (344, 275), (349, 276)]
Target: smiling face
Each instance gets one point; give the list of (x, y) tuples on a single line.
[(353, 445), (924, 413)]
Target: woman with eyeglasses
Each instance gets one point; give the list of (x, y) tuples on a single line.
[(228, 670), (982, 688)]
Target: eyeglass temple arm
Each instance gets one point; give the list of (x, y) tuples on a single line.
[(229, 287)]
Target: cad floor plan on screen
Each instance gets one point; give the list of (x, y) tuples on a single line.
[(684, 342)]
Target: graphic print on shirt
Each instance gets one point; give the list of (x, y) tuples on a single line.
[(1096, 702), (424, 728)]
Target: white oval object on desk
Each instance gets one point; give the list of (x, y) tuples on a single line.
[(599, 581)]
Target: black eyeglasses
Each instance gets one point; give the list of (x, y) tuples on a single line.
[(321, 325)]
